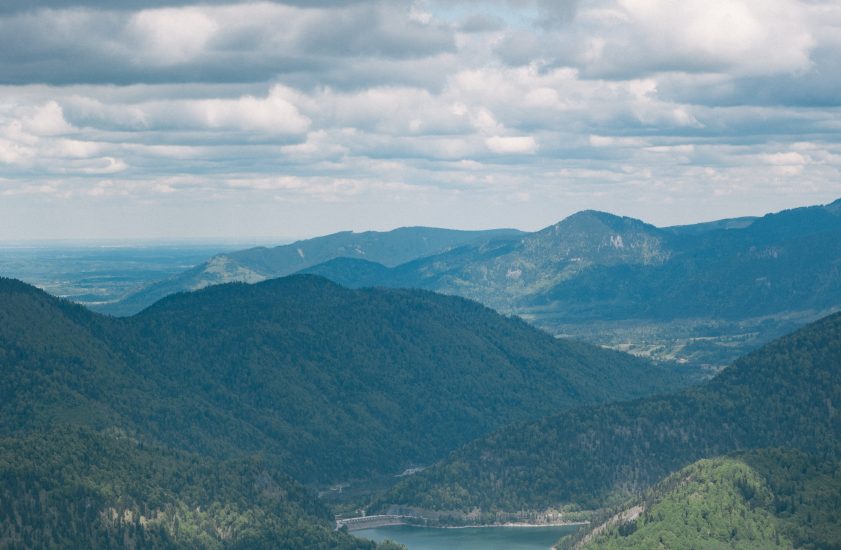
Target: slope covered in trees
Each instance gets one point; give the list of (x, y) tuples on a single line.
[(69, 487), (178, 427), (785, 394), (757, 499), (332, 383)]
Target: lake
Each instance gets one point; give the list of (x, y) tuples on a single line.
[(470, 538)]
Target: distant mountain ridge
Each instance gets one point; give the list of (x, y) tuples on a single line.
[(703, 293), (736, 282), (592, 263), (258, 264)]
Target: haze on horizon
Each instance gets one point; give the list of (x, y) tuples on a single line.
[(177, 119)]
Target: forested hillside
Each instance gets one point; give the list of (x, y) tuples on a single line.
[(192, 413), (757, 499), (334, 383), (70, 487), (786, 394)]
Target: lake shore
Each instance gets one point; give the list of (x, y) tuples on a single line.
[(521, 525)]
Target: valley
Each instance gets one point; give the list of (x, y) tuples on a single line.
[(289, 380), (420, 275), (403, 411)]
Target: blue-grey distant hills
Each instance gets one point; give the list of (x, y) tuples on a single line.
[(702, 293), (253, 265)]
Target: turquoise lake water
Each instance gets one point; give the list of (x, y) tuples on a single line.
[(481, 538)]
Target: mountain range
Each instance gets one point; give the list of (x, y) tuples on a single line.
[(209, 418), (260, 263), (702, 294), (191, 416)]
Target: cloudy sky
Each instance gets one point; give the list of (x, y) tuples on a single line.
[(174, 119)]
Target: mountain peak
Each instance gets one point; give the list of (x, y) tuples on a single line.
[(596, 222), (591, 236), (589, 219)]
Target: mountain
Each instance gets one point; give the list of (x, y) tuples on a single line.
[(501, 273), (785, 394), (703, 294), (328, 383), (770, 498), (258, 264)]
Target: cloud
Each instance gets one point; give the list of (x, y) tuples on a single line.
[(170, 36), (479, 22), (16, 6), (515, 145), (273, 114), (555, 13), (632, 38), (319, 116), (45, 120), (206, 43)]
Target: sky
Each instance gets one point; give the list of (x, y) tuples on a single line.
[(167, 119)]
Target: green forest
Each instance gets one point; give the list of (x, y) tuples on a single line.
[(181, 424), (785, 394), (70, 487), (762, 499)]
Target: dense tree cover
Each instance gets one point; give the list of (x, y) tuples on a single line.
[(142, 431), (759, 499), (328, 382), (255, 264), (70, 487), (785, 394)]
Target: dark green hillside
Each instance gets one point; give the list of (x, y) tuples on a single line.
[(758, 499), (785, 394), (73, 488), (704, 227), (328, 383), (345, 383), (178, 427)]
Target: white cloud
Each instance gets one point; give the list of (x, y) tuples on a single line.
[(45, 120), (272, 114), (515, 145), (171, 36), (749, 36)]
